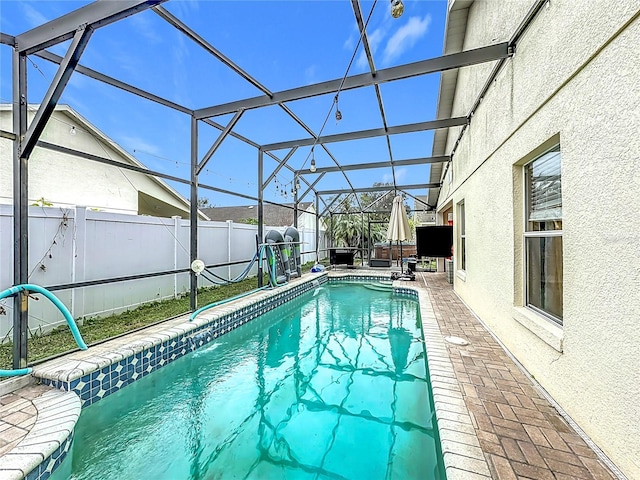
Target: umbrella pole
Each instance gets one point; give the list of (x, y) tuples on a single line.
[(401, 258), (390, 253)]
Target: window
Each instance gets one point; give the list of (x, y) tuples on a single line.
[(462, 247), (543, 234)]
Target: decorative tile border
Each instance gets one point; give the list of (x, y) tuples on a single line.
[(104, 372), (46, 468), (47, 444), (357, 277)]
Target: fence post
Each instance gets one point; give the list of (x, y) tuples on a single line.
[(176, 246), (229, 231), (78, 260)]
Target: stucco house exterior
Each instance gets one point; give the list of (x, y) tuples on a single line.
[(60, 179), (544, 189)]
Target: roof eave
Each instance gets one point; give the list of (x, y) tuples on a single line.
[(454, 34)]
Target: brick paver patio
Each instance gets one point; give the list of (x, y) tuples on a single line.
[(521, 434)]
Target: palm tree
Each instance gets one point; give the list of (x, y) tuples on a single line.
[(347, 230)]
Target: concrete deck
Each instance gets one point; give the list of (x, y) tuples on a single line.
[(494, 422)]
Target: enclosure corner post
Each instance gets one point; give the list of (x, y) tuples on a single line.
[(176, 252), (260, 211), (20, 211), (317, 228), (193, 215), (295, 201)]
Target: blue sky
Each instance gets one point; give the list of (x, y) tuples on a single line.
[(283, 44)]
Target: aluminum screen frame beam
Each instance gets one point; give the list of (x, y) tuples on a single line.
[(94, 15), (191, 34), (315, 182), (145, 171), (8, 135), (374, 132), (6, 39), (424, 67), (335, 199), (88, 72), (421, 201), (355, 4), (384, 188), (260, 213), (186, 30), (281, 164), (219, 140), (373, 165), (58, 84)]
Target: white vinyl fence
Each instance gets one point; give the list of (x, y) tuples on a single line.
[(76, 245)]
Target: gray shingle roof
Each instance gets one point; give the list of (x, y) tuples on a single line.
[(274, 215)]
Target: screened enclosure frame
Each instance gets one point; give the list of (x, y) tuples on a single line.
[(78, 27)]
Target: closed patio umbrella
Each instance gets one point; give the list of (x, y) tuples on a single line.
[(399, 230)]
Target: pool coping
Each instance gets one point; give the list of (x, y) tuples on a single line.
[(90, 375), (46, 445)]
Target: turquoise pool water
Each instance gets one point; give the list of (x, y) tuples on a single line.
[(332, 385)]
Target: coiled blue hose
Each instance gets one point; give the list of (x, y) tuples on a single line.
[(63, 309), (15, 373)]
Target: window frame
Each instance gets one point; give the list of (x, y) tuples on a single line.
[(528, 233), (462, 236)]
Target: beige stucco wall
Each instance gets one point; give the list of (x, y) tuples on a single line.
[(65, 180), (575, 76)]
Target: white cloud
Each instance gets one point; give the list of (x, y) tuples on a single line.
[(180, 55), (406, 37), (33, 17), (375, 39), (145, 27), (401, 175), (361, 61), (138, 145), (185, 7), (350, 42), (75, 102), (310, 74)]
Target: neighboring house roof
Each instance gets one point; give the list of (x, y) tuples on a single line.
[(423, 213), (274, 215), (148, 204)]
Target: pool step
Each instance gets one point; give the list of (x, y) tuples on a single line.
[(381, 287)]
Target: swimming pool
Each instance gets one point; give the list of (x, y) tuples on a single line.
[(332, 384)]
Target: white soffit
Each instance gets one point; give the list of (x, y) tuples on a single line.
[(455, 30)]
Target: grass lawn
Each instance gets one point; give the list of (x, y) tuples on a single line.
[(95, 330)]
